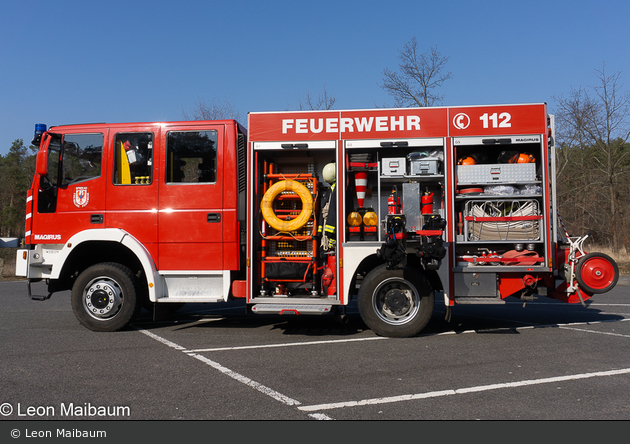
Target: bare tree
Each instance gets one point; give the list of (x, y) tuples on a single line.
[(418, 77), (324, 101), (597, 121), (215, 110)]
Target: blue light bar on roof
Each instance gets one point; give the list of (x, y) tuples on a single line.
[(40, 129)]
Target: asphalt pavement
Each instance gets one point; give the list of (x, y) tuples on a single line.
[(543, 361)]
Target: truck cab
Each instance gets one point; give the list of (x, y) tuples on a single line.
[(156, 202)]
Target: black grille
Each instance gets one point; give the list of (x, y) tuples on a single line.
[(242, 163)]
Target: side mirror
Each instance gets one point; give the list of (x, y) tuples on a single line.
[(41, 164)]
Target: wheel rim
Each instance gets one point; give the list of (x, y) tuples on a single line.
[(102, 298), (396, 301), (597, 272)]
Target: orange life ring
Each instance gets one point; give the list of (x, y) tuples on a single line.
[(266, 205)]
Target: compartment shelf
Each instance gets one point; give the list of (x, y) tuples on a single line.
[(421, 178)]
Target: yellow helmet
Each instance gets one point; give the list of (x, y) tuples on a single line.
[(328, 173)]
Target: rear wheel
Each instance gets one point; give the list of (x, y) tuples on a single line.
[(104, 297), (597, 273), (396, 303)]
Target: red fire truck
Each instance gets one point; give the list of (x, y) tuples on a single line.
[(303, 212)]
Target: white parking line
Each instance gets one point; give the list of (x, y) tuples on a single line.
[(232, 374), (373, 338), (374, 401), (245, 380), (320, 417), (595, 331), (525, 327), (290, 344), (162, 340)]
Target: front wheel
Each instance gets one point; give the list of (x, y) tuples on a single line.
[(396, 303), (104, 297)]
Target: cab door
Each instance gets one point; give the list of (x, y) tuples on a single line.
[(132, 191), (70, 198), (190, 209)]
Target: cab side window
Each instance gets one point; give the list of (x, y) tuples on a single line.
[(191, 157), (47, 201), (54, 159), (81, 157), (133, 159)]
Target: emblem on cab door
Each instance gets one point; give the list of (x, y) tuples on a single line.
[(81, 196)]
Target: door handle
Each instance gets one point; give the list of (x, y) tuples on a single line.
[(214, 217), (96, 218)]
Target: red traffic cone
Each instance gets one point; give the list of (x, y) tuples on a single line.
[(360, 180)]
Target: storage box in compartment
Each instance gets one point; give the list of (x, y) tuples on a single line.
[(425, 166), (496, 173), (502, 220), (394, 166)]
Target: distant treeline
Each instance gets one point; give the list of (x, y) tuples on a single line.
[(17, 169)]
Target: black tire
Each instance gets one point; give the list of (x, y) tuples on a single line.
[(396, 303), (105, 297), (596, 273)]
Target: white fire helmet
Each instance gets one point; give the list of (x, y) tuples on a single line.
[(328, 173)]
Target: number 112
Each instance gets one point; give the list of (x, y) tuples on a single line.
[(497, 120)]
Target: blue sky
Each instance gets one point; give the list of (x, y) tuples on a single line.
[(118, 61)]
